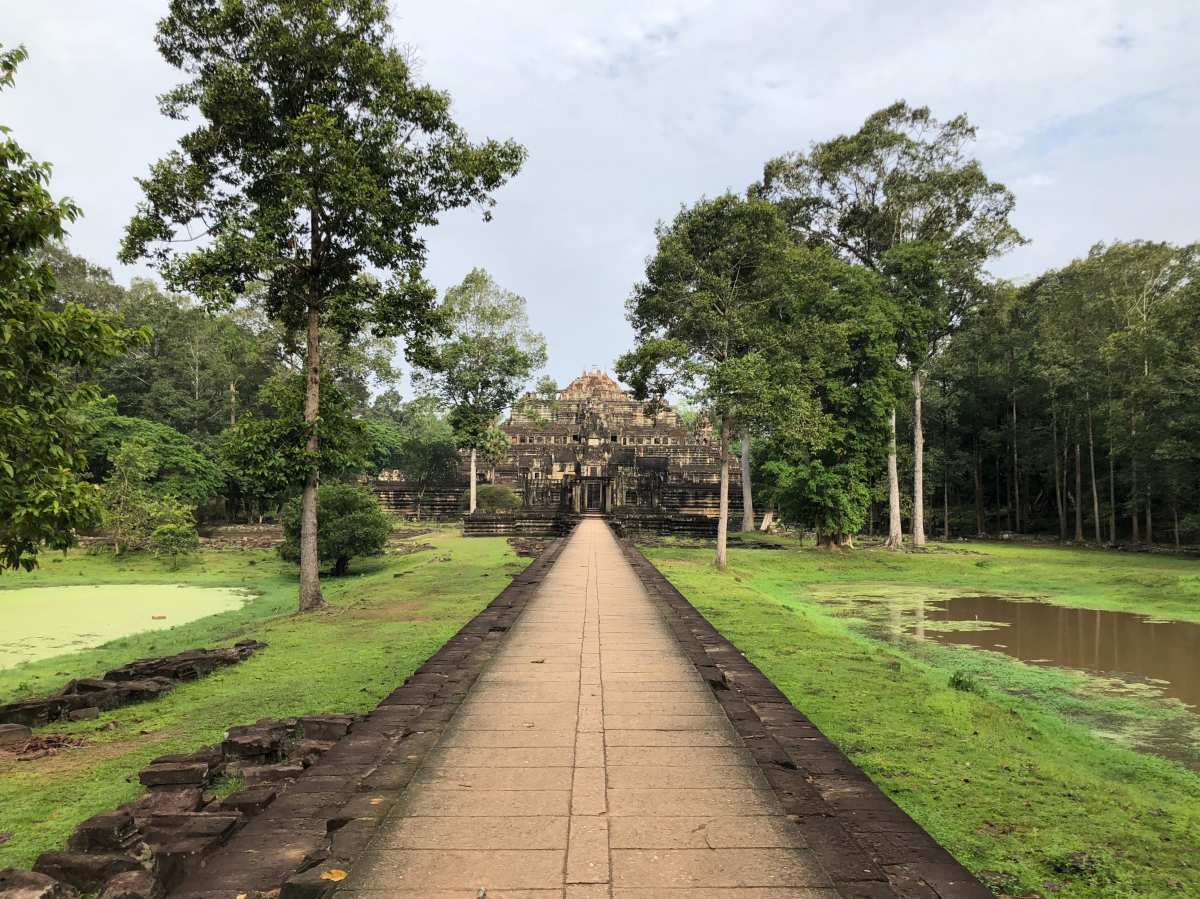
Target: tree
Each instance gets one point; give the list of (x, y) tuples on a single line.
[(133, 511), (351, 524), (415, 439), (318, 162), (498, 498), (174, 541), (43, 498), (703, 320), (177, 465), (480, 369), (839, 330), (266, 455), (902, 197)]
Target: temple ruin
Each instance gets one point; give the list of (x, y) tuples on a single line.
[(595, 449)]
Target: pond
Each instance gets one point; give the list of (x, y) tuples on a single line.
[(1126, 655), (40, 622), (1163, 653)]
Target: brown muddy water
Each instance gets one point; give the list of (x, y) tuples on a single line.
[(1165, 654)]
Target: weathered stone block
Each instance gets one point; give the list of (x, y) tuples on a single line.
[(86, 871), (112, 831), (18, 884), (163, 828), (89, 713), (132, 885), (174, 773), (178, 858), (256, 775), (307, 752), (250, 801), (325, 727), (14, 734)]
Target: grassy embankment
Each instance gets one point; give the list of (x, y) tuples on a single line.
[(382, 622), (1022, 775)]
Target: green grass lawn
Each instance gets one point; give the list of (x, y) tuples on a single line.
[(382, 622), (1023, 776)]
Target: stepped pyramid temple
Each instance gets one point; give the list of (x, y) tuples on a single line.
[(594, 449)]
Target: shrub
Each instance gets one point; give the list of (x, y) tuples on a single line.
[(174, 541), (133, 512), (496, 498), (961, 680), (349, 523)]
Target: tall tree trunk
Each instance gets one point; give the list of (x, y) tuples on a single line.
[(895, 538), (1149, 521), (723, 520), (232, 404), (918, 511), (980, 525), (310, 578), (1005, 497), (1078, 493), (1175, 515), (1133, 502), (1059, 502), (1016, 470), (1112, 498), (1092, 465), (747, 492), (945, 506), (471, 505)]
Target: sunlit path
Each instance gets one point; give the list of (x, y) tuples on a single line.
[(589, 759)]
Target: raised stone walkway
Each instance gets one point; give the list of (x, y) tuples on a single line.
[(591, 759)]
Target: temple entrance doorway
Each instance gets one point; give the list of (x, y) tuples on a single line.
[(593, 496)]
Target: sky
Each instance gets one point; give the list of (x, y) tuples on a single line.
[(1088, 111)]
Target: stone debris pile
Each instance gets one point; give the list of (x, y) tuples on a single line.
[(146, 847), (138, 681)]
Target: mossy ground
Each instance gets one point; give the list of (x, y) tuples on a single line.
[(1022, 775), (383, 620)]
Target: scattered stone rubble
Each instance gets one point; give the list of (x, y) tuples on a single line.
[(529, 547), (138, 681), (147, 847)]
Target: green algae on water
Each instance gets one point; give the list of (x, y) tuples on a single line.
[(41, 622)]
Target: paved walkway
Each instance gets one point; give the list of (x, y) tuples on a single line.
[(589, 760)]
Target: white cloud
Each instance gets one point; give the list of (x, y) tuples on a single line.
[(631, 108)]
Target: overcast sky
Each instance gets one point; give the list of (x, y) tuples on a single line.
[(1089, 111)]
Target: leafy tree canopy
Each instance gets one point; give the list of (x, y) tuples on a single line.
[(43, 498)]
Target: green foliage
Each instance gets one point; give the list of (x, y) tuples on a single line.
[(707, 321), (43, 499), (1101, 355), (962, 680), (133, 510), (416, 440), (173, 541), (840, 338), (493, 498), (176, 465), (318, 160), (350, 523), (482, 367), (265, 452), (317, 165)]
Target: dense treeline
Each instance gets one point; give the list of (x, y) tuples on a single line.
[(216, 400), (841, 319), (292, 214), (1071, 405)]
